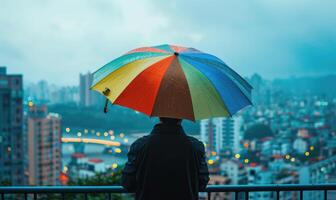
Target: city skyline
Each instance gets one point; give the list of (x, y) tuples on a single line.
[(293, 39)]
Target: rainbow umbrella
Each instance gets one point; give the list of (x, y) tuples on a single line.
[(173, 81)]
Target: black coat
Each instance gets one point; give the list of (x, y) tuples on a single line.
[(167, 164)]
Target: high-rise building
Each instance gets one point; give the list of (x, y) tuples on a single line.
[(12, 138), (222, 134), (44, 146), (88, 97)]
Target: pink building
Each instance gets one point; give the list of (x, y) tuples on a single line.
[(44, 146)]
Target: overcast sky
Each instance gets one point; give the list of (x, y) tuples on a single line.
[(57, 40)]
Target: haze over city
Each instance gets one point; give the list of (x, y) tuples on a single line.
[(277, 39)]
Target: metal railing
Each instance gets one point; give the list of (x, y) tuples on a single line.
[(25, 191)]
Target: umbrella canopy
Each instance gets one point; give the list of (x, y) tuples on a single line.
[(173, 81)]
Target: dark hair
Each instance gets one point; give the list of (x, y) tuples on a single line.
[(167, 120)]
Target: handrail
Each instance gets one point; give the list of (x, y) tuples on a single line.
[(120, 189)]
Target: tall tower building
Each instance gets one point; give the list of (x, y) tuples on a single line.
[(88, 97), (12, 138), (222, 134), (44, 146)]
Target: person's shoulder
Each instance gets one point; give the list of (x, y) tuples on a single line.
[(140, 143), (196, 144)]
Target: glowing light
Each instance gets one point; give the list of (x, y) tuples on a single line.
[(79, 134), (117, 150), (86, 131), (287, 157), (98, 133), (246, 161), (311, 148), (246, 145), (105, 134), (307, 153), (112, 137), (125, 140), (67, 130), (237, 156), (213, 153), (89, 140), (30, 104), (92, 131), (65, 169), (114, 165), (292, 159), (111, 132), (204, 144), (122, 135), (210, 162)]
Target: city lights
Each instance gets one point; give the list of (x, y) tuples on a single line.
[(105, 134), (112, 137), (292, 159), (210, 162), (30, 104), (121, 135), (117, 150), (114, 165), (311, 148), (111, 132), (86, 131), (213, 153), (287, 157), (98, 134), (67, 130), (65, 169), (246, 161), (94, 141), (126, 140), (237, 156), (79, 134), (307, 153)]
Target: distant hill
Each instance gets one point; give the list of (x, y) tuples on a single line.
[(319, 85)]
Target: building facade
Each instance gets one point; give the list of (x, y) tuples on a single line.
[(222, 134), (88, 97), (44, 146), (12, 138)]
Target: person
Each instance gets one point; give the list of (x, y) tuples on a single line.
[(166, 164)]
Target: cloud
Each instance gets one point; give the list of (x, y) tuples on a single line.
[(57, 40)]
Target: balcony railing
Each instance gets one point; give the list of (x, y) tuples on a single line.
[(26, 192)]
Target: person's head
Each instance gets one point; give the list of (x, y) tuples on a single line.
[(167, 120)]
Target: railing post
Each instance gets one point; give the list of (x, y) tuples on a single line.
[(246, 195), (236, 195), (2, 196), (109, 196), (301, 194), (277, 194), (209, 195), (25, 196), (325, 194)]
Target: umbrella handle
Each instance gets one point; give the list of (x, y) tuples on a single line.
[(105, 107), (106, 92)]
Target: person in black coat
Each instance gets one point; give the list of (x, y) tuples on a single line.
[(166, 164)]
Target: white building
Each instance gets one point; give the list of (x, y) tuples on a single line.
[(222, 134), (234, 170), (320, 172), (259, 175)]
